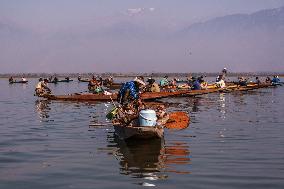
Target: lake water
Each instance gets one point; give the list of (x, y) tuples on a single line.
[(234, 140)]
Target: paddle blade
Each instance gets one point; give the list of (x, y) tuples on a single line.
[(177, 120)]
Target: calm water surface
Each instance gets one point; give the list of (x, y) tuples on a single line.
[(234, 141)]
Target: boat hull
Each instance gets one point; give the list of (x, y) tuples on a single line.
[(135, 132), (18, 82), (61, 81), (81, 97), (150, 95)]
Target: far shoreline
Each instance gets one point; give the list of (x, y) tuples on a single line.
[(122, 75)]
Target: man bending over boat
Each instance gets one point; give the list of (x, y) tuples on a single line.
[(129, 100), (130, 91), (42, 88)]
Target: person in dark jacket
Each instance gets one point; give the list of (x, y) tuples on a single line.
[(196, 84)]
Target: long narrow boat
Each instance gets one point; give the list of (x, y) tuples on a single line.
[(61, 81), (150, 95), (81, 97), (103, 97), (12, 82)]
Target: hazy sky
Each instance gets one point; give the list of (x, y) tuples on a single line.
[(64, 35)]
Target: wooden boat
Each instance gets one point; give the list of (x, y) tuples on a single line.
[(12, 82), (175, 120), (103, 97), (113, 86), (138, 132), (151, 95), (84, 80), (81, 97)]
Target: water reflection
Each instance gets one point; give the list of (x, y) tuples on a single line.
[(195, 104), (141, 158), (42, 108), (177, 156), (222, 105), (152, 159)]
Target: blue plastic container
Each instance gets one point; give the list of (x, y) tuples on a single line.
[(147, 118)]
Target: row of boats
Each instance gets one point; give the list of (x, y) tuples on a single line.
[(177, 120)]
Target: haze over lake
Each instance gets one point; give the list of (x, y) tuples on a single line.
[(141, 36)]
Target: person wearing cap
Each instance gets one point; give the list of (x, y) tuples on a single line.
[(130, 90), (164, 82), (152, 86), (42, 87)]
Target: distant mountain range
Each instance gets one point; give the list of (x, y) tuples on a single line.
[(241, 42), (265, 20)]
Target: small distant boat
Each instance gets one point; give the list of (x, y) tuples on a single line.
[(61, 81), (12, 82), (84, 80)]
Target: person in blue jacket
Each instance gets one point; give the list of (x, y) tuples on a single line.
[(130, 90), (196, 84), (275, 80)]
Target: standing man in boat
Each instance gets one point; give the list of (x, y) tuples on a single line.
[(42, 87), (224, 73), (130, 91)]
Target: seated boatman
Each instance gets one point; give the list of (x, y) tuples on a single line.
[(220, 83), (242, 81), (152, 86), (11, 79), (129, 92), (275, 80), (164, 82), (95, 86), (195, 84), (41, 87)]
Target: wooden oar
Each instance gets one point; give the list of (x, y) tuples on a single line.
[(178, 120)]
